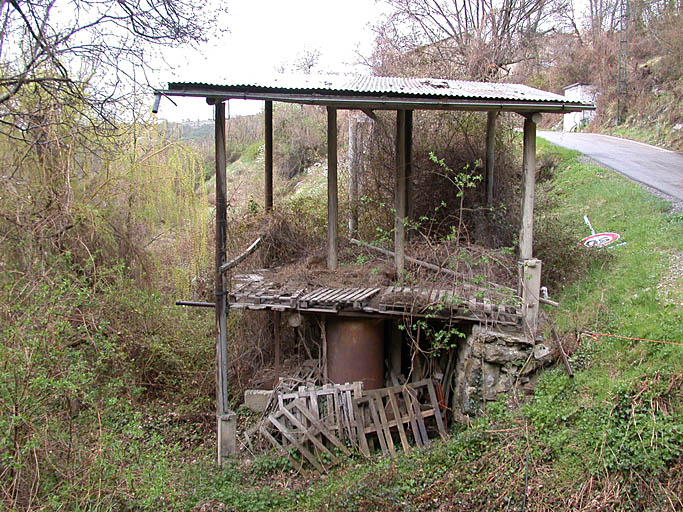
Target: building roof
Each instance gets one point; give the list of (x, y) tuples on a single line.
[(388, 93)]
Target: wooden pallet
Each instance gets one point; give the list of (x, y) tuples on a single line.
[(313, 422), (319, 423), (337, 298), (402, 409)]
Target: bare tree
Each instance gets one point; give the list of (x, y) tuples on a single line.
[(478, 38), (87, 52)]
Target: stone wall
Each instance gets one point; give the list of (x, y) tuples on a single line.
[(492, 361)]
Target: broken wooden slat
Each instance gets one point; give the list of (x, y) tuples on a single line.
[(360, 429), (295, 442), (320, 427), (437, 409), (308, 435), (410, 408), (378, 426), (399, 422)]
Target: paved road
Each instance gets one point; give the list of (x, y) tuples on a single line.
[(658, 168)]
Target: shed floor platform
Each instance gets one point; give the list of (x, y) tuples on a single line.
[(491, 305)]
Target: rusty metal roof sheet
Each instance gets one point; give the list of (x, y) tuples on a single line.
[(378, 86)]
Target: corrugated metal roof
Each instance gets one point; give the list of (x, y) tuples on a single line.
[(376, 86)]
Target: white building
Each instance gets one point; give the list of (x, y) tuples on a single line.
[(576, 120)]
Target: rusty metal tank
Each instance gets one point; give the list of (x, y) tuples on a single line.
[(355, 351)]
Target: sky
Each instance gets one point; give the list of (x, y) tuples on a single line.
[(265, 35)]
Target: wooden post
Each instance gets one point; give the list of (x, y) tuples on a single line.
[(355, 162), (268, 157), (526, 232), (395, 347), (226, 420), (332, 198), (277, 340), (323, 357), (531, 290), (408, 141), (490, 154), (400, 193)]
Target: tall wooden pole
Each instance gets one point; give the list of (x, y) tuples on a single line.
[(408, 142), (526, 232), (490, 154), (277, 338), (400, 193), (226, 420), (355, 151), (268, 124), (332, 197)]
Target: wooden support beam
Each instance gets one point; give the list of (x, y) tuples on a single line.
[(370, 114), (526, 233), (226, 434), (277, 339), (396, 344), (400, 193), (355, 162), (332, 197), (490, 154), (408, 159), (268, 157)]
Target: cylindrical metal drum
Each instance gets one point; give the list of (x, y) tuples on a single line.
[(355, 351)]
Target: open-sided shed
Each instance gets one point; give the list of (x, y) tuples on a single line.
[(369, 94)]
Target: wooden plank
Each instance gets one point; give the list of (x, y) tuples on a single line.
[(385, 424), (399, 422), (400, 194), (313, 294), (353, 434), (332, 295), (437, 410), (526, 231), (355, 292), (332, 195), (378, 426), (307, 434), (371, 292), (314, 405), (268, 155), (295, 442), (490, 155), (348, 294), (337, 413), (360, 429), (320, 426), (407, 161), (264, 432), (412, 418)]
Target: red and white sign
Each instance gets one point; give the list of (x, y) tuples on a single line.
[(600, 239)]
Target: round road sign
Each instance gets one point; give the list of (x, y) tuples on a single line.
[(600, 239)]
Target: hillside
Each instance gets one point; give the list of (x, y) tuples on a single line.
[(608, 439)]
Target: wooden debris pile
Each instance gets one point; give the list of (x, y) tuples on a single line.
[(318, 424)]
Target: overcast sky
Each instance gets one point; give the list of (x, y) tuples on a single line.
[(265, 35)]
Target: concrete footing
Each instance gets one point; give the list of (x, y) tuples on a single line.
[(227, 436)]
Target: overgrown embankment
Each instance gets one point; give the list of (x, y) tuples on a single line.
[(608, 439), (107, 395)]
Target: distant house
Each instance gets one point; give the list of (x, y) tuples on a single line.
[(585, 93)]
